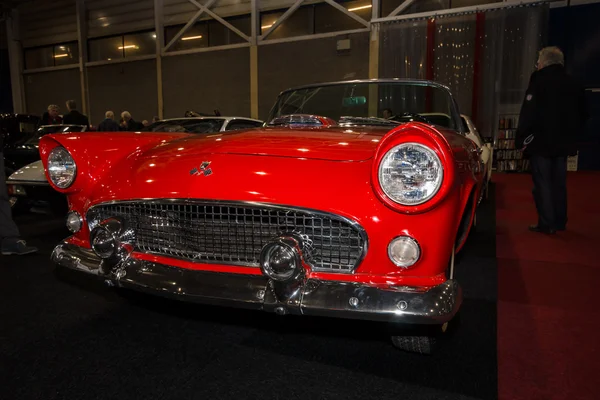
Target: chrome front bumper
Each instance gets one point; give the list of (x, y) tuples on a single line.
[(308, 297)]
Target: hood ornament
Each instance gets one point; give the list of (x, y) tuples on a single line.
[(202, 170)]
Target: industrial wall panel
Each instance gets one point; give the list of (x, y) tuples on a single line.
[(285, 65), (180, 11), (204, 82), (56, 87), (48, 22), (123, 87), (109, 17)]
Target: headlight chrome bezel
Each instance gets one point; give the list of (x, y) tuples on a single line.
[(56, 152), (423, 148), (426, 136)]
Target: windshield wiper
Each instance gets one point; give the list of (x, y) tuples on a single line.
[(350, 120)]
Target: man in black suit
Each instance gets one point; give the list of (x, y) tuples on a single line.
[(108, 124), (552, 115), (74, 117)]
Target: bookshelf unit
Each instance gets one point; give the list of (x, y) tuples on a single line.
[(507, 158)]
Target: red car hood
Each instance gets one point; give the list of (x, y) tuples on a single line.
[(335, 144)]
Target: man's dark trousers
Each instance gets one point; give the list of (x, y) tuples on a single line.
[(550, 190)]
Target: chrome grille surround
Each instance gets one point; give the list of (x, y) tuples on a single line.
[(233, 233)]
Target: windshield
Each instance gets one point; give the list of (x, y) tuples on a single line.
[(372, 103), (192, 125), (45, 130)]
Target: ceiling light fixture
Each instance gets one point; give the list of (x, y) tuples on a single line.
[(266, 26), (129, 46), (60, 55), (360, 8), (192, 37)]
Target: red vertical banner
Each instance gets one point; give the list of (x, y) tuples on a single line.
[(477, 60), (429, 63)]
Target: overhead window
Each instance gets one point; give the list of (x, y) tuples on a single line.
[(51, 56), (122, 46)]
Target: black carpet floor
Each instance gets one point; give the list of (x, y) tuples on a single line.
[(63, 336)]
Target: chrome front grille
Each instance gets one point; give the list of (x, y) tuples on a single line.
[(234, 233)]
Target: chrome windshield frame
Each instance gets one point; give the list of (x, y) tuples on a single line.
[(418, 82)]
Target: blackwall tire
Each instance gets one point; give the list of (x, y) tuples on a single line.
[(415, 344), (19, 206), (59, 207), (428, 340)]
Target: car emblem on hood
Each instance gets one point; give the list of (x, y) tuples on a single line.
[(202, 170)]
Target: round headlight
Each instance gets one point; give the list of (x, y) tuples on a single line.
[(410, 174), (61, 167), (404, 251)]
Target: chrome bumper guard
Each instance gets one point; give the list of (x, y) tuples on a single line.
[(308, 297)]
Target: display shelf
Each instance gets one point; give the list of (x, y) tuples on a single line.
[(507, 158)]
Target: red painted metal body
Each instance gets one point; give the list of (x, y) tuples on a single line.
[(330, 169)]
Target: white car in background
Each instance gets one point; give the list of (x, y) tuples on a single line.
[(470, 131), (29, 185), (487, 149)]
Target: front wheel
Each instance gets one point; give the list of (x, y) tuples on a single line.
[(415, 344), (426, 340), (19, 205)]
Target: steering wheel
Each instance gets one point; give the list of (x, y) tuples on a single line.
[(408, 116)]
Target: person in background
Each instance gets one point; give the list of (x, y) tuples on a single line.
[(122, 125), (387, 113), (74, 117), (553, 113), (155, 119), (145, 123), (51, 116), (11, 242), (131, 124), (108, 124)]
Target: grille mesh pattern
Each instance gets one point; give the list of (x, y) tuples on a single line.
[(234, 233)]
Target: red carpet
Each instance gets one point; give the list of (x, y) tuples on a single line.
[(548, 309)]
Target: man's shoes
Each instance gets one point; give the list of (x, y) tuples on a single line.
[(16, 247), (541, 229)]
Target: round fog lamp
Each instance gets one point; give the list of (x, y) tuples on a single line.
[(74, 221), (404, 251), (279, 261), (103, 243)]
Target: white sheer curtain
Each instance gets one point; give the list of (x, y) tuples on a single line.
[(508, 43)]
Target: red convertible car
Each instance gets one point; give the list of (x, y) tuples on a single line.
[(327, 210)]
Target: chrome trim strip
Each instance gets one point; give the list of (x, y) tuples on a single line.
[(27, 183), (310, 297), (423, 82), (231, 203)]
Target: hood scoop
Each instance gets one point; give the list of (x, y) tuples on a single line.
[(322, 143)]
